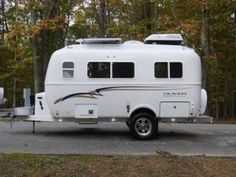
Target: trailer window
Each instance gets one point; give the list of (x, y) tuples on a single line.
[(99, 70), (176, 70), (161, 70), (123, 70), (68, 69)]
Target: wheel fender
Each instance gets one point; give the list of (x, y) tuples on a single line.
[(142, 106)]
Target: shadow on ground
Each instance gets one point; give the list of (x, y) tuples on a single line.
[(98, 133)]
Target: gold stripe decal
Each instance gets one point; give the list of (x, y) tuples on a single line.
[(97, 92)]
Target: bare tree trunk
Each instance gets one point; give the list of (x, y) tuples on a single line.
[(3, 20), (233, 103), (148, 15), (156, 16), (225, 103), (205, 42), (45, 36), (108, 12), (66, 37), (15, 59), (36, 61), (217, 110), (233, 97), (50, 41), (102, 18)]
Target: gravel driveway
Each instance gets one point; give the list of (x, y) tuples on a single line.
[(114, 139)]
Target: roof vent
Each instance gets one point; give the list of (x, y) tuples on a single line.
[(164, 39), (133, 42), (99, 41)]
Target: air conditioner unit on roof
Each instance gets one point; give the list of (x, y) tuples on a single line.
[(164, 39)]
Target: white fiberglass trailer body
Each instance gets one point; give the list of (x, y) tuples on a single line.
[(133, 82)]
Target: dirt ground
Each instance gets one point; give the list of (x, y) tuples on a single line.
[(163, 165)]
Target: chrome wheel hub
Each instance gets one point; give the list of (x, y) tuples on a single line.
[(143, 126)]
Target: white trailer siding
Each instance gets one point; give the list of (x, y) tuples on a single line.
[(142, 91)]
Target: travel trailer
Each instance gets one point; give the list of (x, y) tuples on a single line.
[(141, 84), (2, 99)]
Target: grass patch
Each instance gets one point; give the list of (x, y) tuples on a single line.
[(2, 119), (7, 119), (163, 165)]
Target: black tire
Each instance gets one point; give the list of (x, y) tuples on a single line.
[(128, 124), (144, 126)]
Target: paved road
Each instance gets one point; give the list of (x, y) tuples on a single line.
[(114, 138)]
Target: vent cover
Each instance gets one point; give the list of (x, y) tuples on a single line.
[(133, 42), (99, 41)]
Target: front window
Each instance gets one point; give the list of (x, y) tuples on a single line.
[(68, 70)]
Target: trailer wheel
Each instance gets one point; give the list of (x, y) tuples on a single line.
[(128, 124), (144, 126)]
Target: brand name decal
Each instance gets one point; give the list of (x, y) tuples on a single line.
[(175, 93)]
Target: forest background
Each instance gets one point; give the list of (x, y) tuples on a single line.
[(31, 30)]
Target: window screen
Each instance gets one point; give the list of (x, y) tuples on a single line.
[(176, 70), (68, 69), (99, 70), (123, 70), (161, 70)]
